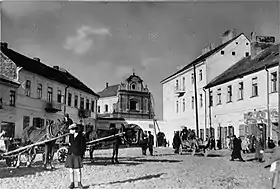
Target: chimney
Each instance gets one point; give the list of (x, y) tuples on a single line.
[(36, 58), (228, 35), (107, 85), (4, 45), (258, 46), (208, 48), (56, 67)]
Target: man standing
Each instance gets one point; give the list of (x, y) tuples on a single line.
[(116, 143), (145, 143), (236, 152), (151, 143)]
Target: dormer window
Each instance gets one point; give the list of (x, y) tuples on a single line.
[(222, 52), (133, 86), (233, 53)]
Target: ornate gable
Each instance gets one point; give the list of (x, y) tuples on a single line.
[(8, 69), (133, 83)]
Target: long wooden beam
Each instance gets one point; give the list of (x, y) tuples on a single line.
[(104, 138), (34, 144)]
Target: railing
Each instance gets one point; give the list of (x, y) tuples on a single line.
[(178, 89)]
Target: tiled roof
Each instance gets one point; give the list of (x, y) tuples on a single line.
[(268, 58), (109, 91), (7, 80), (46, 71), (203, 57)]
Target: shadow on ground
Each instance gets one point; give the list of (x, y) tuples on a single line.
[(147, 177), (7, 172)]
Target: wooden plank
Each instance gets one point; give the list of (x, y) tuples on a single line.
[(104, 138), (32, 145)]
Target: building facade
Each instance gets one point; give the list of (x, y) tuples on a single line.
[(130, 100), (47, 93), (184, 98), (245, 97)]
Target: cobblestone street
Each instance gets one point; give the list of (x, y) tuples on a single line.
[(164, 170)]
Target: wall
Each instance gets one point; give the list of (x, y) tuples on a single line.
[(233, 113), (110, 101)]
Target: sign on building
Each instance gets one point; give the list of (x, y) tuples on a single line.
[(265, 39)]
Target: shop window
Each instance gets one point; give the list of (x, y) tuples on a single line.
[(38, 122)]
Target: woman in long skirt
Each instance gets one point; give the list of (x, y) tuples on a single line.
[(76, 151)]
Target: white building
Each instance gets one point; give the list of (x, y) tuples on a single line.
[(240, 96), (46, 93), (179, 107)]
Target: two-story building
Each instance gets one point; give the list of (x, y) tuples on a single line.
[(184, 99), (245, 97), (47, 93)]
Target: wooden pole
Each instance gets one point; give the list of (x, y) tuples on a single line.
[(195, 100)]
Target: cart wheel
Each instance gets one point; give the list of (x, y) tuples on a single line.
[(61, 154), (11, 162)]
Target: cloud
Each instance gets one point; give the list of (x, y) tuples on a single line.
[(147, 62), (123, 72), (85, 39), (21, 9)]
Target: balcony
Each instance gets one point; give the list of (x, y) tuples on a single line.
[(53, 107), (84, 113), (179, 91)]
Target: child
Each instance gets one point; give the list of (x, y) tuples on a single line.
[(76, 152)]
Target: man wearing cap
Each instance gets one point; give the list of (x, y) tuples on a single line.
[(150, 142)]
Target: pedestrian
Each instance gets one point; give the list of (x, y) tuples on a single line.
[(76, 151), (227, 142), (145, 143), (116, 143), (274, 164), (245, 145), (151, 143), (270, 144), (236, 152), (176, 142), (259, 144)]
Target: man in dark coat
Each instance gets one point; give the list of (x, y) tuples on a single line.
[(116, 143), (151, 143), (176, 142), (236, 152), (145, 143)]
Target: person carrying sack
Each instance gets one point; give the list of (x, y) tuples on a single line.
[(76, 151)]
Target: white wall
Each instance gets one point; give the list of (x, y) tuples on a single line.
[(110, 101)]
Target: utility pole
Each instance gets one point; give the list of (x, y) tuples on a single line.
[(267, 104), (195, 99), (278, 100)]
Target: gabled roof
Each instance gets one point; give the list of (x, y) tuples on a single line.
[(203, 57), (268, 58), (109, 91), (39, 68)]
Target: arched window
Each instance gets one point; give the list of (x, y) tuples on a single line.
[(134, 105), (106, 108), (133, 86)]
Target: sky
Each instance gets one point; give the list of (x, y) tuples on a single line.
[(103, 42)]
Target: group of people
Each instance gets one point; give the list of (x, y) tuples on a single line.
[(148, 143)]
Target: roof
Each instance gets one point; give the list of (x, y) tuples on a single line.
[(203, 57), (109, 91), (9, 81), (267, 58), (39, 68)]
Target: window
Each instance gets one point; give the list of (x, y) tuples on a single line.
[(201, 100), (229, 93), (9, 127), (87, 104), (255, 87), (134, 105), (210, 98), (59, 96), (184, 104), (274, 82), (92, 105), (106, 107), (38, 122), (27, 88), (12, 98), (177, 106), (133, 86), (192, 102), (247, 54), (98, 109), (69, 99), (233, 53), (236, 43), (49, 94), (219, 96), (26, 121), (82, 103), (177, 85), (200, 75), (202, 134), (222, 52), (76, 101), (192, 78), (39, 91), (240, 91), (184, 82)]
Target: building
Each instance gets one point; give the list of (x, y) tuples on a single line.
[(245, 93), (184, 99), (129, 99), (46, 93)]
